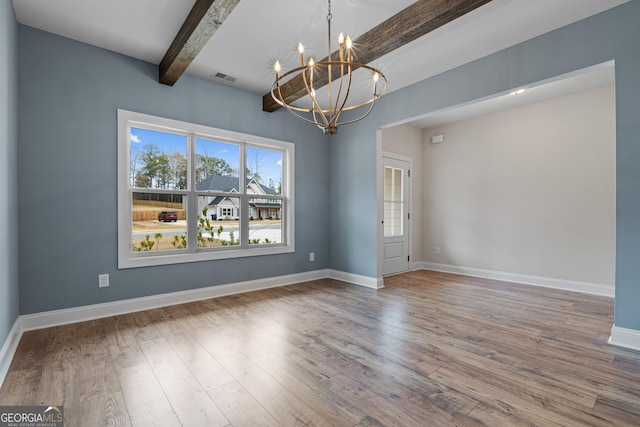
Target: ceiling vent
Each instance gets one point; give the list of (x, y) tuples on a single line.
[(223, 76)]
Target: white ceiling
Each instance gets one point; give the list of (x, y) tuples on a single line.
[(259, 31)]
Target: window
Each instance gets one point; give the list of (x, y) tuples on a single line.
[(189, 193), (393, 203)]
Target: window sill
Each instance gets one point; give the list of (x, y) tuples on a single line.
[(128, 261)]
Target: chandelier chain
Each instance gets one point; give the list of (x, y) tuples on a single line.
[(329, 15)]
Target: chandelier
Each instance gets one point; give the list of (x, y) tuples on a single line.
[(328, 84)]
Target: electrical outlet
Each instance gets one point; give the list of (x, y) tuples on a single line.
[(437, 251), (103, 280), (312, 256)]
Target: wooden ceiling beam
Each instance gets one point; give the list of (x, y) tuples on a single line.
[(203, 20), (409, 24)]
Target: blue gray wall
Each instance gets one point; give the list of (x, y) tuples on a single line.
[(612, 35), (69, 93), (8, 170)]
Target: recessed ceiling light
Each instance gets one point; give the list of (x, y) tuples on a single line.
[(517, 92)]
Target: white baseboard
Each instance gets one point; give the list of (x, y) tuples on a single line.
[(547, 282), (96, 311), (48, 319), (356, 279), (9, 348), (623, 337)]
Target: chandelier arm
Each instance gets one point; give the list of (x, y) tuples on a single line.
[(373, 98), (314, 102), (290, 108), (293, 111), (281, 102), (300, 116), (355, 65), (339, 94), (371, 104), (346, 96), (362, 104), (314, 113)]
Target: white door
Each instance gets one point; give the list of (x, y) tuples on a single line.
[(395, 238)]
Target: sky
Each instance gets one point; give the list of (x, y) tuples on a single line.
[(269, 162)]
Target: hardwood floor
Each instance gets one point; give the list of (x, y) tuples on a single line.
[(431, 349)]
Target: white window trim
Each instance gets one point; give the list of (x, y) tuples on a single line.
[(127, 259)]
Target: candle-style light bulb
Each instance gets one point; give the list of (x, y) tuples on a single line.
[(301, 52), (376, 77), (276, 67), (349, 45), (341, 46), (312, 63)]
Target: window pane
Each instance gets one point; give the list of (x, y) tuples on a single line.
[(158, 222), (218, 221), (397, 185), (388, 181), (217, 166), (264, 167), (393, 203), (157, 159), (265, 220)]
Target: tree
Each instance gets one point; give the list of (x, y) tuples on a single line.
[(253, 170), (164, 177), (133, 166), (179, 170), (156, 169), (152, 163), (142, 180), (209, 165)]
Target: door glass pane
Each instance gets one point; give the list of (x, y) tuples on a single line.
[(157, 159), (393, 203), (158, 222)]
